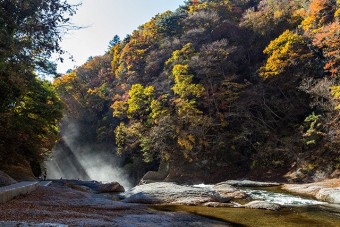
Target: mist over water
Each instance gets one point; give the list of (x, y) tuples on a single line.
[(74, 158)]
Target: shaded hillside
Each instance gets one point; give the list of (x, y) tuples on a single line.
[(219, 89), (30, 110)]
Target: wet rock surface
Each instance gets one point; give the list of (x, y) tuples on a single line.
[(258, 204), (65, 205), (328, 190), (229, 191), (110, 187), (249, 183), (25, 224), (78, 203), (171, 193)]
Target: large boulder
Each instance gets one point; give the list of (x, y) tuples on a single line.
[(6, 180), (110, 187), (257, 204), (171, 193), (229, 191), (156, 176), (331, 195)]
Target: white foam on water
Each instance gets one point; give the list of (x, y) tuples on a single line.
[(280, 198), (207, 186)]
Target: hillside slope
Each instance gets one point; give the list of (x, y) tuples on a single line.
[(219, 89)]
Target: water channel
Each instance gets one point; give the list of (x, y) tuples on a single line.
[(296, 211)]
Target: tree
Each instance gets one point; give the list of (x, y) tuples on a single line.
[(30, 31), (335, 90), (272, 17), (168, 23), (140, 100), (328, 41), (115, 41), (320, 13), (289, 49)]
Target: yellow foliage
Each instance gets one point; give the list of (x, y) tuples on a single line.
[(187, 109), (318, 15), (337, 12), (66, 79), (91, 91), (278, 14), (140, 99), (283, 51), (183, 82), (181, 55), (115, 59), (157, 110), (223, 5), (187, 142), (119, 108), (335, 91)]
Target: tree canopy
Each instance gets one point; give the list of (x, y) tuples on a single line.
[(219, 84), (30, 110)]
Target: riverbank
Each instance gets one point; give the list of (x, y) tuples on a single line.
[(287, 217), (326, 190), (78, 203), (60, 204)]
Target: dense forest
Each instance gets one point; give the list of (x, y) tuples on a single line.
[(30, 109), (216, 89)]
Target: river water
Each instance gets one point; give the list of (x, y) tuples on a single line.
[(296, 211)]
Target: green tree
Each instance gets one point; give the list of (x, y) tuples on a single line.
[(30, 31), (115, 41), (140, 100)]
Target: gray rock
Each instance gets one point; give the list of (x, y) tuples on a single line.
[(257, 204), (249, 183), (110, 187), (25, 224), (229, 191), (171, 193), (6, 180), (156, 176), (141, 197), (331, 195), (216, 204), (327, 191)]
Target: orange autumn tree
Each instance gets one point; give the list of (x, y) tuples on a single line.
[(328, 40), (320, 13)]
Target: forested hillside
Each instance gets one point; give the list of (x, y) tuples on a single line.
[(30, 110), (216, 89)]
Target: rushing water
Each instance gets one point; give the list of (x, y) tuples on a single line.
[(280, 198), (273, 195), (296, 211)]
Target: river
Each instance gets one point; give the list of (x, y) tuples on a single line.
[(296, 211)]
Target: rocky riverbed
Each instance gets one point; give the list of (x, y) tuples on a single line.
[(90, 203), (63, 204)]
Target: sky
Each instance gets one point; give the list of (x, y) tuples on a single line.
[(101, 20)]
